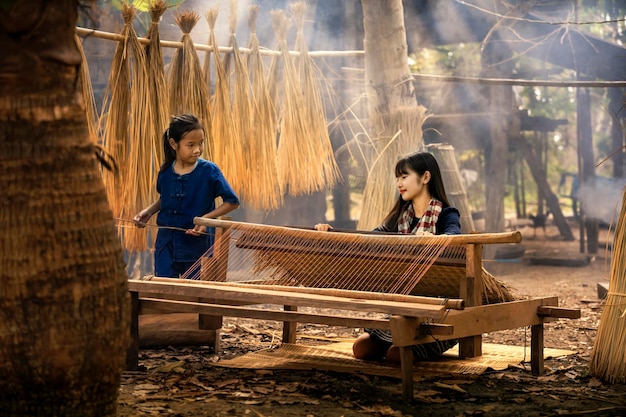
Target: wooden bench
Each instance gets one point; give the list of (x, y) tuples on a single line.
[(412, 319)]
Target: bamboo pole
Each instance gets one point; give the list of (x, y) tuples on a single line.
[(203, 47), (339, 54)]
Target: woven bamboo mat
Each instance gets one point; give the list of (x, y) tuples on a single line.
[(338, 357)]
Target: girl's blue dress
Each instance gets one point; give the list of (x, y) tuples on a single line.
[(184, 197)]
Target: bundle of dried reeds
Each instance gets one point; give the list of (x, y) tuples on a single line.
[(403, 134), (608, 358), (157, 84), (249, 185), (128, 118), (262, 147), (314, 109), (89, 100), (228, 149), (185, 79), (303, 158)]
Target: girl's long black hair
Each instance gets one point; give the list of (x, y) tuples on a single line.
[(419, 162), (179, 127)]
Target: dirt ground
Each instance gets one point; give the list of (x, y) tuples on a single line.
[(184, 381)]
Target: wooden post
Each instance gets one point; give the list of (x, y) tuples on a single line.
[(471, 292), (290, 327), (536, 349), (215, 270), (406, 368), (403, 332), (210, 322), (132, 353)]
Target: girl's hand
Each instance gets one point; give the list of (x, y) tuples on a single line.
[(424, 233), (197, 230), (323, 227), (142, 218)]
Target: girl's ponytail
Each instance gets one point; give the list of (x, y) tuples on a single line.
[(168, 151)]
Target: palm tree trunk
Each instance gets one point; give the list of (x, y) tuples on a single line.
[(63, 290)]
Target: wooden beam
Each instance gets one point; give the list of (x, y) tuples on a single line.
[(558, 312), (484, 319), (449, 303), (209, 291), (174, 306), (464, 239)]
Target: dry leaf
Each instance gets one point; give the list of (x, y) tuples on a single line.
[(452, 387), (170, 366)]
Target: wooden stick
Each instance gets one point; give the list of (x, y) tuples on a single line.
[(474, 238), (455, 304)]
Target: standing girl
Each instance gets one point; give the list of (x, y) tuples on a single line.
[(188, 186), (421, 208)]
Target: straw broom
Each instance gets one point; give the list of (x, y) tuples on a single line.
[(403, 134), (608, 358), (225, 132), (185, 80), (263, 145)]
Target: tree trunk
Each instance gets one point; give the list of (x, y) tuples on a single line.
[(388, 80), (588, 169), (539, 175), (395, 119), (496, 64), (64, 298)]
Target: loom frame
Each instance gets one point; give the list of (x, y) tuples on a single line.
[(411, 319)]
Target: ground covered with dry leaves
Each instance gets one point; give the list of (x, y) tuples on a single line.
[(184, 381)]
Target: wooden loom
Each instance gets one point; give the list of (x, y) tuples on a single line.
[(421, 288)]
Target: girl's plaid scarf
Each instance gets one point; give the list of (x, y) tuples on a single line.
[(428, 221)]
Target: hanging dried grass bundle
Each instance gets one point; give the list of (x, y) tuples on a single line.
[(185, 79), (262, 147), (86, 89), (127, 119), (608, 358), (227, 138), (314, 109), (159, 94), (242, 115), (138, 184), (302, 162), (403, 134), (206, 69)]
